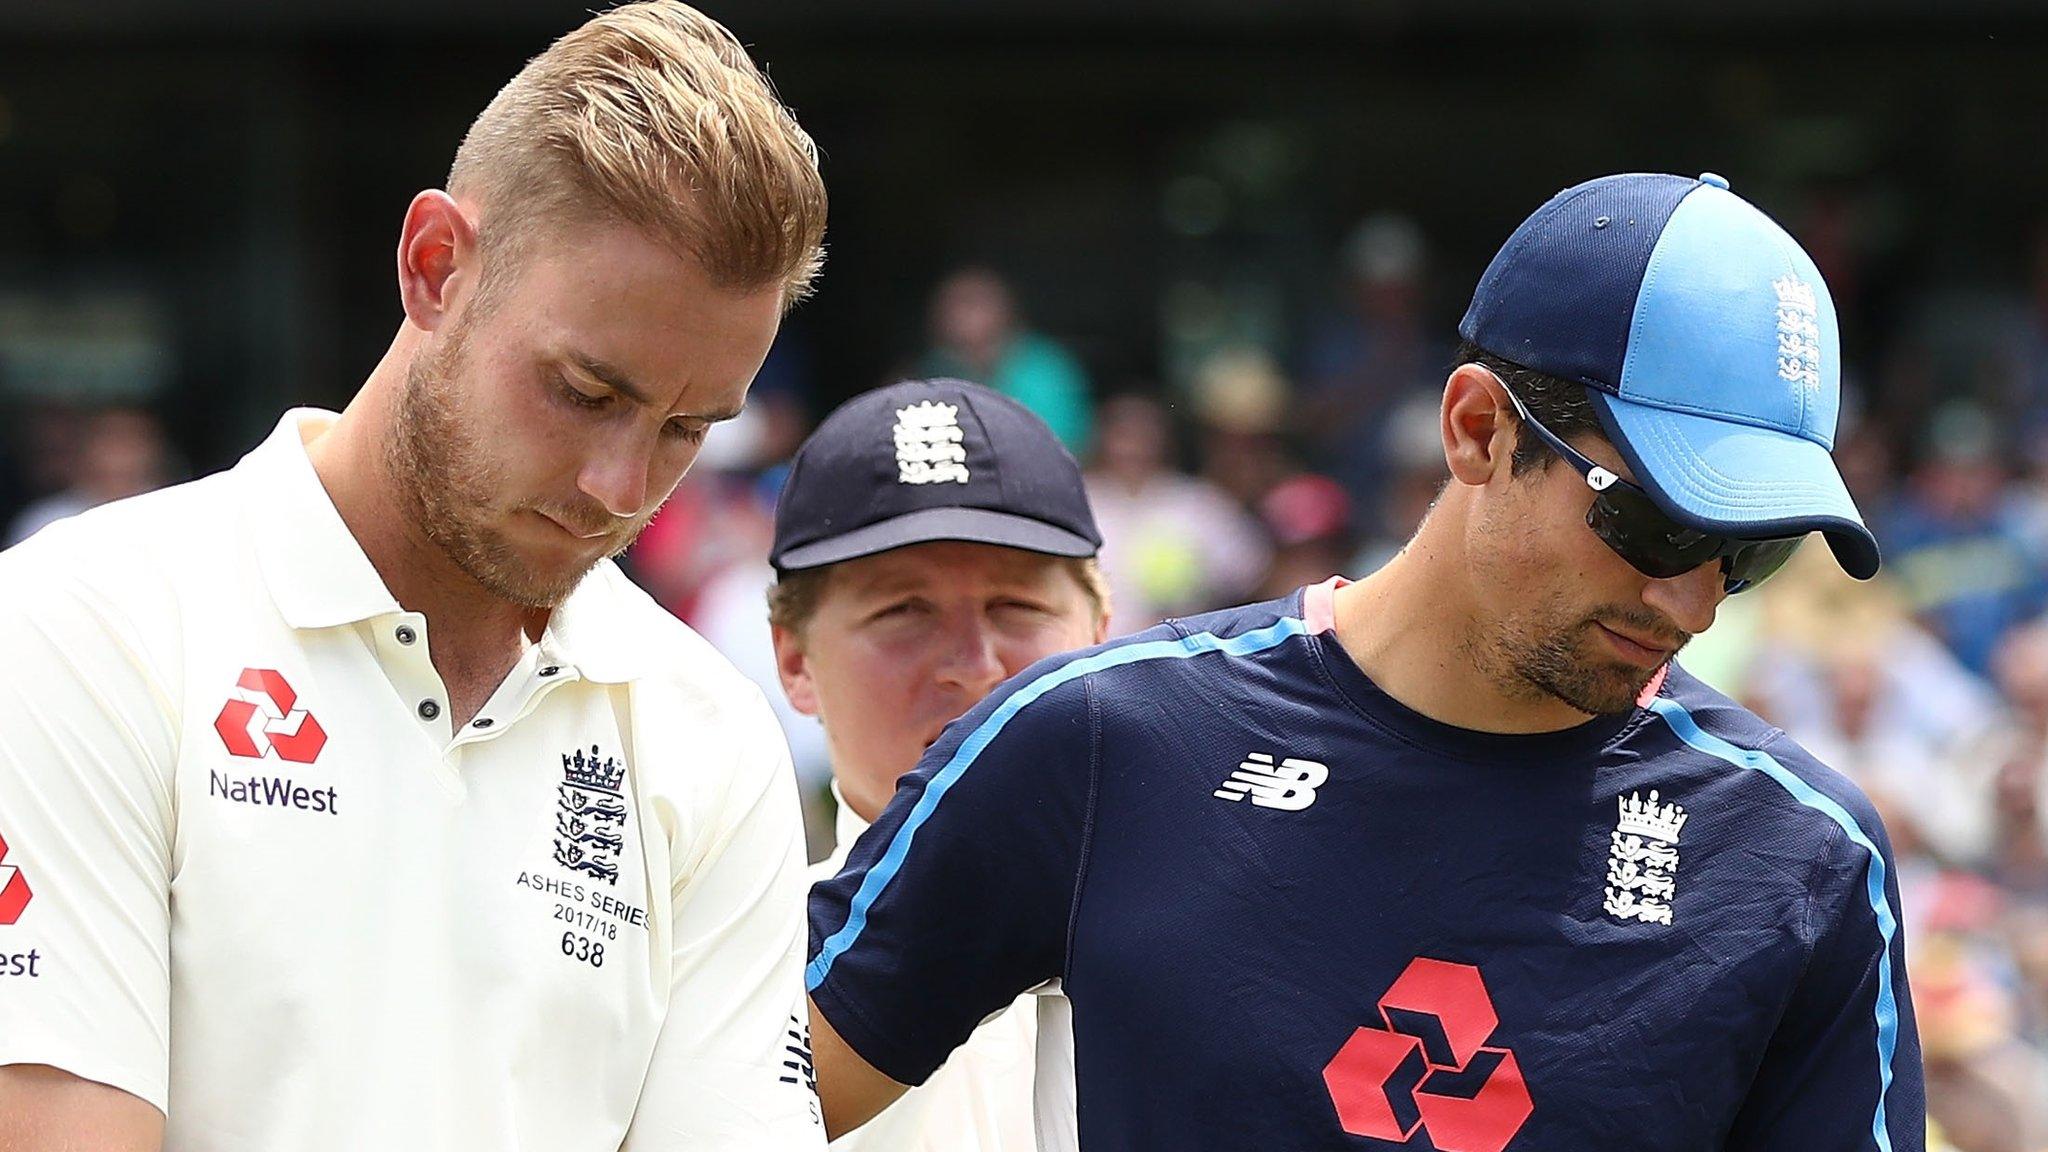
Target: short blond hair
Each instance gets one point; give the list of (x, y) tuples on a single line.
[(794, 597), (651, 114)]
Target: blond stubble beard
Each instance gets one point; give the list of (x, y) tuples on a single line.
[(447, 482)]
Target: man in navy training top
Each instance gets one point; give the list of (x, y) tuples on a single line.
[(1453, 857)]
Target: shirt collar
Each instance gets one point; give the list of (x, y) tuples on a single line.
[(316, 572), (596, 631), (319, 576), (847, 825)]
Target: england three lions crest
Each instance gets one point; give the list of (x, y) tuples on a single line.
[(930, 444), (590, 822), (1642, 859)]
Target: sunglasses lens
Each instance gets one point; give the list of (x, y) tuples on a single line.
[(1755, 563), (1650, 541), (1660, 547)]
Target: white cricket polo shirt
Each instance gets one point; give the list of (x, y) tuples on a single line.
[(981, 1098), (251, 875)]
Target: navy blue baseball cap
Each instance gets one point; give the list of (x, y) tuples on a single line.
[(930, 460), (1707, 341)]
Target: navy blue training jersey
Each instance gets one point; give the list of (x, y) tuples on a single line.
[(1288, 913)]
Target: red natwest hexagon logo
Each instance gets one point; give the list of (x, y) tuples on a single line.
[(14, 893), (1430, 1069), (262, 716)]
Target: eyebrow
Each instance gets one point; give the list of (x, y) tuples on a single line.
[(616, 379), (922, 577)]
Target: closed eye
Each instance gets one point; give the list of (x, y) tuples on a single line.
[(900, 609), (1022, 605), (568, 391), (688, 431)]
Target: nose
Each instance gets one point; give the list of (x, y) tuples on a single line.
[(973, 661), (1689, 599), (617, 476)]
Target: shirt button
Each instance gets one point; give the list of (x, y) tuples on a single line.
[(405, 634), (550, 670), (429, 709), (484, 722)]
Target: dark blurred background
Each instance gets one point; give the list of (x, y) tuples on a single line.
[(1222, 248), (199, 199)]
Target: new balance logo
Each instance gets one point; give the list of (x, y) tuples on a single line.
[(1289, 785)]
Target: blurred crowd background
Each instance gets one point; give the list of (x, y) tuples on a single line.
[(1222, 250)]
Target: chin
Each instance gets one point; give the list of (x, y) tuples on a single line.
[(1590, 683), (1616, 690), (534, 585)]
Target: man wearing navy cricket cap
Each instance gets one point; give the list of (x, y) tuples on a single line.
[(933, 540), (1453, 857)]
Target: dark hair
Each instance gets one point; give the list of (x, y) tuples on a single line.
[(1558, 404)]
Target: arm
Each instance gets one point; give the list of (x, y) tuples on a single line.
[(44, 1109), (852, 1092), (958, 899), (730, 1069), (87, 741), (1842, 1072)]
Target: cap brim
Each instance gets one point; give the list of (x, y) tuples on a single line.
[(1739, 480), (971, 525)]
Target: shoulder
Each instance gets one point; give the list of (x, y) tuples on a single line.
[(669, 654), (693, 712), (1831, 805), (128, 570), (1223, 642), (1687, 702), (147, 538), (95, 618), (1147, 665)]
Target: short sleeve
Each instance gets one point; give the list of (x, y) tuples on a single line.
[(88, 744), (960, 897), (1842, 1072), (731, 1069)]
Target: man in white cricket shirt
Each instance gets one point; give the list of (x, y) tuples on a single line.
[(351, 798), (933, 540)]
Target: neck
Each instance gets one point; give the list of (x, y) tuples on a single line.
[(1410, 627), (853, 791), (474, 634)]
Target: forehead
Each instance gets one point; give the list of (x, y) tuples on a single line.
[(612, 292), (947, 564)]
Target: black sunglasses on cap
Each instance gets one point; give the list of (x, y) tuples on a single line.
[(1625, 519)]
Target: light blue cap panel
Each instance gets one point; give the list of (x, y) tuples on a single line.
[(1740, 479), (1731, 384), (1733, 321)]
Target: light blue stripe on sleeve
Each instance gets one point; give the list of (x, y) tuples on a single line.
[(1688, 730), (885, 869)]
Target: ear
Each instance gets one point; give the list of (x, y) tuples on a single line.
[(437, 258), (793, 668), (1478, 425)]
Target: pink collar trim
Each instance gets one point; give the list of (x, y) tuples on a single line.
[(1319, 605)]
